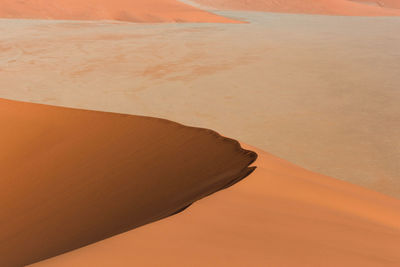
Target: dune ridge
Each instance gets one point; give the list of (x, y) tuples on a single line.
[(122, 10), (323, 7), (72, 177), (281, 215)]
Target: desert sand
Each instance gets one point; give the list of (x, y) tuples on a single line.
[(381, 3), (323, 7), (318, 91), (281, 215), (74, 177), (123, 10)]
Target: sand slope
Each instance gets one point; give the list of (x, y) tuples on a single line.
[(125, 10), (73, 177), (318, 91), (326, 7), (281, 215)]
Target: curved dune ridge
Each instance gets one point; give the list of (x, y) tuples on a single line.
[(72, 177), (282, 215), (323, 7), (123, 10)]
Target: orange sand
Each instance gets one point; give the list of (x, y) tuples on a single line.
[(326, 7), (73, 177), (314, 90), (281, 215), (124, 10)]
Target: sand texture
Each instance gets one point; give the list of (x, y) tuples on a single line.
[(73, 177), (323, 7), (281, 215), (319, 91), (123, 10)]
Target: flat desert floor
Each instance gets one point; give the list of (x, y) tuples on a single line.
[(319, 91)]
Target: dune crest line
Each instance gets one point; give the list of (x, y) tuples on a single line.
[(280, 210), (72, 177)]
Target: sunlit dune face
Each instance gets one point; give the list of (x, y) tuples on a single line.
[(74, 183), (123, 10), (281, 215), (73, 177)]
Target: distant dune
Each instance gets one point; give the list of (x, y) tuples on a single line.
[(124, 10), (72, 177), (281, 215), (325, 7)]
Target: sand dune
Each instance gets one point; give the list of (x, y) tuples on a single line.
[(73, 177), (318, 91), (281, 215), (124, 10), (326, 7)]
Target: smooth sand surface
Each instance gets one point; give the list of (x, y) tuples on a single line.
[(123, 10), (281, 215), (323, 7), (319, 91), (73, 177)]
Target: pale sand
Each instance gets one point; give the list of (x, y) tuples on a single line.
[(381, 3), (281, 215), (318, 91), (325, 7), (308, 86), (73, 177), (124, 10)]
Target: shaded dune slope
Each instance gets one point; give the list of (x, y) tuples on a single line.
[(281, 215), (72, 177), (325, 7), (124, 10)]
